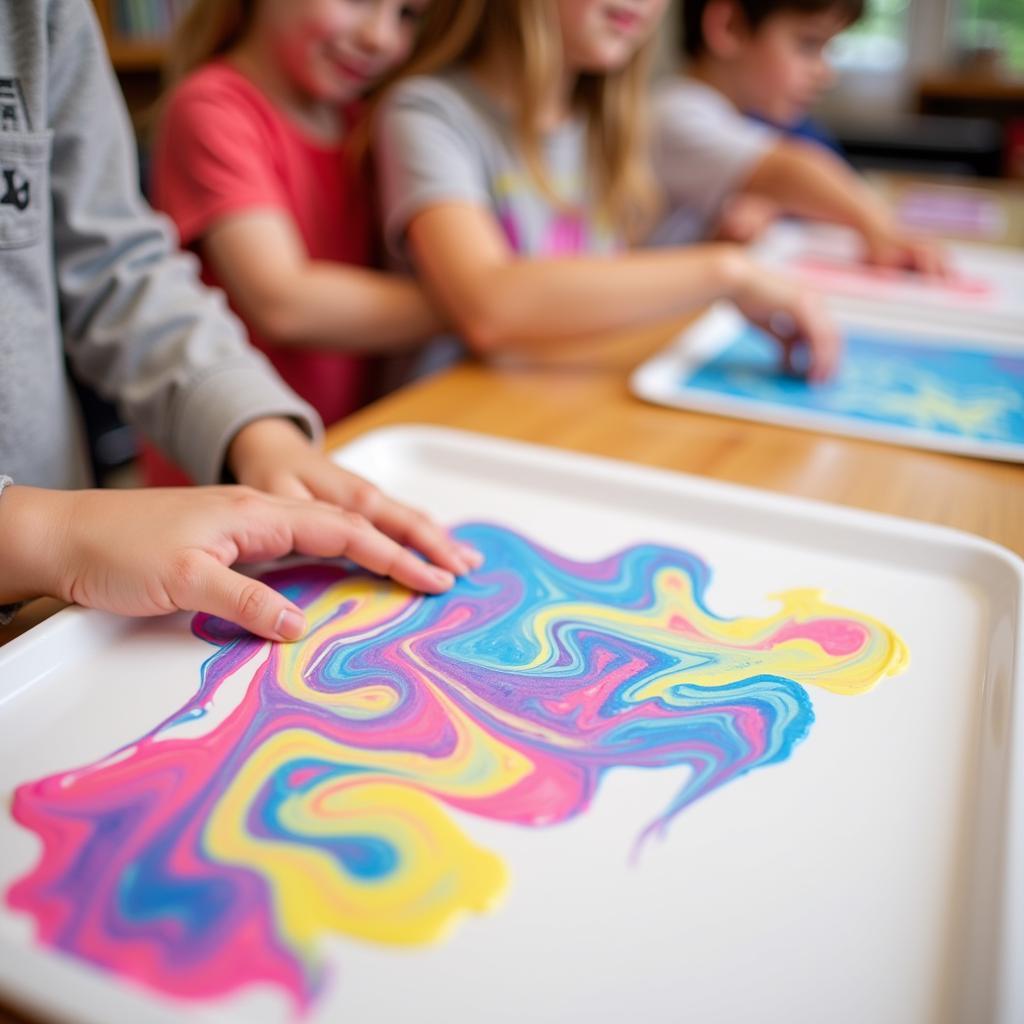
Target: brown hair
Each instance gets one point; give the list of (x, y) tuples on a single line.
[(755, 13), (614, 105), (208, 29)]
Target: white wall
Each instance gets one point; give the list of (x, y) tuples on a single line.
[(861, 93)]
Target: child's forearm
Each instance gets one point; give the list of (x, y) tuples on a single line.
[(500, 301), (808, 181), (521, 303), (344, 308), (288, 298), (33, 526)]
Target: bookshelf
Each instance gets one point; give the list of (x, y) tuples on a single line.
[(136, 31), (136, 54), (993, 97)]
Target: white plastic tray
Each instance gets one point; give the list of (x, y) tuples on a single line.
[(942, 388), (986, 288), (876, 875)]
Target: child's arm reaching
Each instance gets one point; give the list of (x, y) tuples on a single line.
[(807, 180), (443, 200), (707, 154), (290, 299), (500, 301)]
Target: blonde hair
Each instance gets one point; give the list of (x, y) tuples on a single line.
[(208, 29), (614, 105)]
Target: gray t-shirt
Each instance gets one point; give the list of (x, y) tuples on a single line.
[(442, 139), (704, 150), (89, 272)]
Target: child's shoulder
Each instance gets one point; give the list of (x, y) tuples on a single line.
[(682, 94), (219, 85), (447, 94)]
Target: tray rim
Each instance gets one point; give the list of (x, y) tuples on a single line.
[(708, 486)]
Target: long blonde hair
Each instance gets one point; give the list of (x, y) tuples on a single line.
[(614, 105), (208, 29)]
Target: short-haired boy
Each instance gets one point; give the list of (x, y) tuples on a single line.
[(721, 170)]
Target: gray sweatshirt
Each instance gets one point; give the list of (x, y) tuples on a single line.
[(89, 272)]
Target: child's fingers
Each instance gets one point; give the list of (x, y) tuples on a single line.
[(823, 341), (789, 347), (929, 259), (826, 353), (407, 526), (288, 485), (901, 252), (411, 527), (380, 554), (201, 583), (885, 252), (213, 588), (262, 526), (329, 532)]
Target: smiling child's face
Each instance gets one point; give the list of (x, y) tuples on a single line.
[(334, 50), (782, 67), (603, 36)]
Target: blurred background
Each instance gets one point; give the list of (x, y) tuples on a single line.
[(931, 86), (929, 97)]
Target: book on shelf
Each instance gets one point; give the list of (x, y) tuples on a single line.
[(145, 20)]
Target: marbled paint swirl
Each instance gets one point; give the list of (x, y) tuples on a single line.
[(306, 790)]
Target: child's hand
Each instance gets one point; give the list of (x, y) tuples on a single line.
[(794, 316), (888, 246), (273, 455), (745, 217), (157, 551)]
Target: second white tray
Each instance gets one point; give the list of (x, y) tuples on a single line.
[(944, 389), (985, 289)]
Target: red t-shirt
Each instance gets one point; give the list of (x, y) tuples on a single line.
[(224, 148)]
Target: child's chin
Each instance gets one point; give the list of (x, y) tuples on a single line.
[(607, 59), (789, 113), (340, 94), (609, 66)]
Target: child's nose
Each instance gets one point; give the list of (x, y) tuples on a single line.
[(826, 71), (377, 33)]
